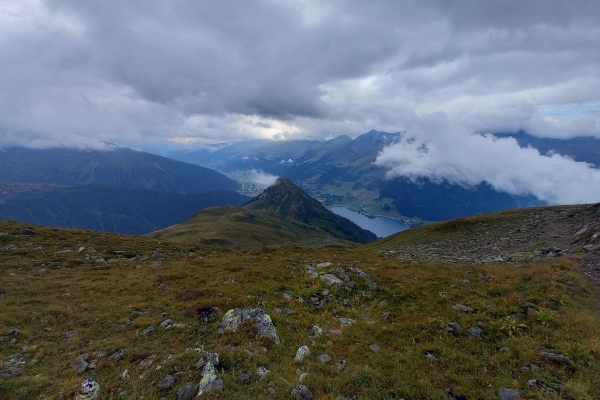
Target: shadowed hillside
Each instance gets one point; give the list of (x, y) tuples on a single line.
[(282, 214)]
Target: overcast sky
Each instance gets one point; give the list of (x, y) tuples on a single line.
[(158, 74)]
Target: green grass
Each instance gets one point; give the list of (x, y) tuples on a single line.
[(103, 298)]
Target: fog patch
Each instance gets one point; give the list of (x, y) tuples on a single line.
[(437, 148), (262, 178)]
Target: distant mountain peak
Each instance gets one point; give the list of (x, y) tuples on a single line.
[(286, 199)]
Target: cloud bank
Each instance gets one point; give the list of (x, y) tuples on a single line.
[(262, 178), (434, 147), (148, 70)]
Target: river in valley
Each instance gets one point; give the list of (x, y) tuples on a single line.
[(381, 226)]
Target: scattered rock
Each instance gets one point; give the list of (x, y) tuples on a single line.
[(71, 334), (510, 394), (301, 354), (302, 392), (145, 363), (560, 359), (324, 265), (80, 364), (210, 380), (186, 392), (149, 330), (332, 281), (453, 328), (208, 314), (316, 330), (583, 230), (10, 336), (117, 355), (89, 390), (375, 348), (166, 324), (462, 307), (537, 384), (324, 358), (10, 372), (244, 376), (125, 375), (166, 382), (341, 364), (264, 324), (504, 349), (346, 321), (475, 332), (230, 281), (454, 396), (262, 372), (335, 332), (386, 315)]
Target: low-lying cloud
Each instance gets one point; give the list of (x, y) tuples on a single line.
[(262, 178), (437, 148)]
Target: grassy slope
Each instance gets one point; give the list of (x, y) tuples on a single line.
[(235, 226), (98, 299)]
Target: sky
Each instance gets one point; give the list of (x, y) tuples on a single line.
[(158, 74)]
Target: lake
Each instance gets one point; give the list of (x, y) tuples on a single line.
[(381, 226)]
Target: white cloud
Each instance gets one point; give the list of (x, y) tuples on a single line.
[(440, 149), (262, 178)]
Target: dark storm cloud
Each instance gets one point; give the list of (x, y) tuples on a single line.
[(131, 71)]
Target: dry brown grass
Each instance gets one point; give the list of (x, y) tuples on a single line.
[(100, 301)]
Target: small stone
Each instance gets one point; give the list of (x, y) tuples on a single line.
[(166, 324), (302, 392), (11, 372), (453, 328), (462, 307), (200, 364), (166, 382), (347, 321), (510, 394), (244, 376), (375, 348), (504, 349), (262, 372), (186, 392), (149, 330), (386, 315), (475, 332), (555, 358), (324, 358), (89, 390), (332, 281), (316, 330), (10, 336), (125, 375), (230, 281), (341, 364), (335, 332), (208, 314), (210, 380), (79, 364), (301, 354), (145, 363), (117, 355), (71, 334)]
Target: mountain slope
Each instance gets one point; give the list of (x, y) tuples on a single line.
[(141, 317), (344, 168), (282, 214), (519, 235), (128, 211), (115, 167)]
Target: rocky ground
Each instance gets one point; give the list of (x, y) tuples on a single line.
[(88, 315), (516, 236)]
